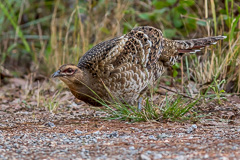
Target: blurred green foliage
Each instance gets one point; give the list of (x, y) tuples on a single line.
[(48, 33), (170, 13)]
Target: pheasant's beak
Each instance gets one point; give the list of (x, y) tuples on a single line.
[(56, 74)]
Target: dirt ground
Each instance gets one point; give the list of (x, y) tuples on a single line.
[(29, 131)]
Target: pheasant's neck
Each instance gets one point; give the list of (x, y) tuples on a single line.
[(81, 88), (85, 94)]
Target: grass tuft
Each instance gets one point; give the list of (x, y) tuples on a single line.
[(173, 109)]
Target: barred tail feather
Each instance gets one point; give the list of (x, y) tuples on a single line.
[(194, 45)]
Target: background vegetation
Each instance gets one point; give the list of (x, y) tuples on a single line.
[(38, 36)]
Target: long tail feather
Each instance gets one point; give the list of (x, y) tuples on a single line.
[(173, 49), (194, 45)]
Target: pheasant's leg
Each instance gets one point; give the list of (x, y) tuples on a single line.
[(140, 104)]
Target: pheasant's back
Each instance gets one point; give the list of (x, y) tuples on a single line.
[(142, 45)]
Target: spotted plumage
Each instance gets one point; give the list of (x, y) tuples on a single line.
[(126, 65)]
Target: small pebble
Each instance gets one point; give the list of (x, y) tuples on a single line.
[(152, 137), (94, 140), (144, 157), (97, 132), (206, 156), (162, 136), (76, 131), (234, 147), (148, 152), (191, 129), (132, 148), (157, 156), (83, 155), (113, 134), (15, 145), (50, 124), (194, 126), (88, 136)]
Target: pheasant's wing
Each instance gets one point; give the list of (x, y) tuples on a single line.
[(141, 46), (100, 53), (151, 40)]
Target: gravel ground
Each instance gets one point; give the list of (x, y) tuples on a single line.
[(39, 135), (79, 132)]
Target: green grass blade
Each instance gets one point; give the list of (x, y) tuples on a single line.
[(17, 29)]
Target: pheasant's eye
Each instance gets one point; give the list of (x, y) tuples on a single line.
[(69, 70)]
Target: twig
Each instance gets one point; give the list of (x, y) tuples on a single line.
[(184, 95)]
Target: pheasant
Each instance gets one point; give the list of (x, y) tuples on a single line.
[(125, 66)]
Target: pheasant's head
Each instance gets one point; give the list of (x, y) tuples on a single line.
[(78, 80), (69, 74)]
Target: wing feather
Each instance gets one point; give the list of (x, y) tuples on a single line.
[(142, 45)]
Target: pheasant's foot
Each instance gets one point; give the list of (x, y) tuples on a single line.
[(140, 104)]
